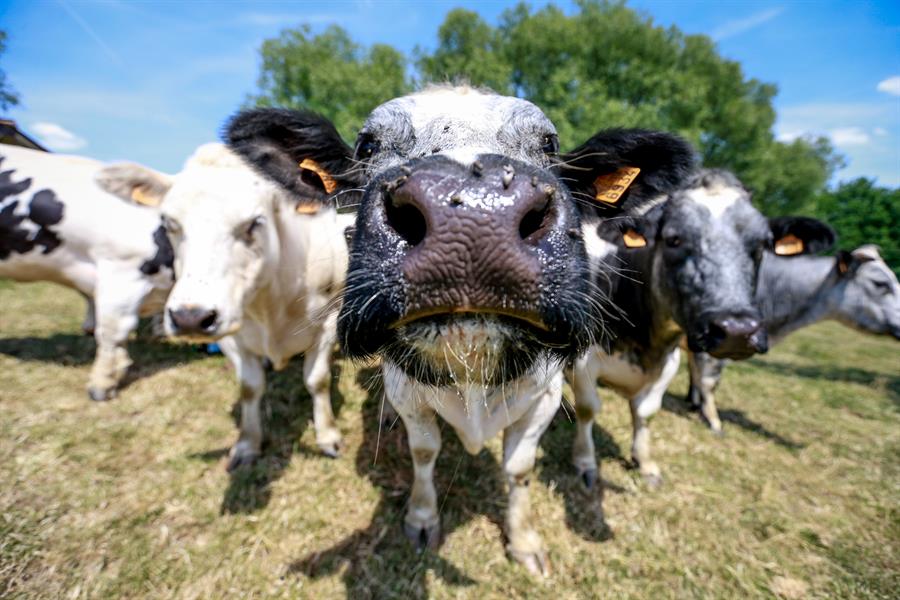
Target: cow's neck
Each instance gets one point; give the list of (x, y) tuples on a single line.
[(795, 292)]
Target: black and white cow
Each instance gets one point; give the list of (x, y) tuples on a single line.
[(57, 225), (855, 288), (688, 267), (468, 272), (258, 269)]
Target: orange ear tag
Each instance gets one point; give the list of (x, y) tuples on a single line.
[(140, 195), (328, 183), (307, 208), (633, 239), (610, 187), (789, 245)]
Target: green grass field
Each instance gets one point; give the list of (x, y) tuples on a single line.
[(801, 498)]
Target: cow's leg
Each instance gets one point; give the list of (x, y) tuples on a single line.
[(252, 378), (644, 405), (422, 523), (520, 442), (583, 379), (317, 377), (117, 301), (89, 325), (706, 372)]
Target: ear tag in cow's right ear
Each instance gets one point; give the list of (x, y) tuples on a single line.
[(789, 245), (609, 188), (139, 194), (328, 183), (633, 239)]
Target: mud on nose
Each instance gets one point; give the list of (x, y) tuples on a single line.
[(735, 336), (474, 235), (192, 320)]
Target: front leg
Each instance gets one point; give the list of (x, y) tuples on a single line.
[(520, 442), (644, 405), (252, 379), (706, 372), (422, 523), (583, 379), (317, 378)]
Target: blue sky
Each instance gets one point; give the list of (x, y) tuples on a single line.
[(150, 81)]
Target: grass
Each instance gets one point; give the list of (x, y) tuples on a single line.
[(801, 498)]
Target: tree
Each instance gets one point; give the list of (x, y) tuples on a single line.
[(8, 96), (864, 213), (330, 74)]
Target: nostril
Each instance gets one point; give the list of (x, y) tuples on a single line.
[(406, 219), (209, 321), (536, 222)]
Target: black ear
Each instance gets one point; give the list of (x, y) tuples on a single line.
[(801, 235), (621, 170), (300, 150)]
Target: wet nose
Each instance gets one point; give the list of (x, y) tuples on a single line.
[(193, 320), (733, 336), (474, 235)]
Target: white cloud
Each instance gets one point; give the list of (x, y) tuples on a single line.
[(57, 137), (849, 136), (891, 86), (739, 26)]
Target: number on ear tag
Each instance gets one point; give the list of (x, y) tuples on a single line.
[(610, 187)]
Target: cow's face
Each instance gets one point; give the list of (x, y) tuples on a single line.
[(220, 217), (467, 261), (870, 296), (707, 242)]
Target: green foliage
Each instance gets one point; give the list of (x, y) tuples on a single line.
[(606, 65), (330, 74), (8, 96), (864, 213)]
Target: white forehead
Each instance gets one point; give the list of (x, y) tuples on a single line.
[(469, 106), (717, 196)]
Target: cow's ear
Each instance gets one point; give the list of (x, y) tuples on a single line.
[(622, 170), (299, 150), (801, 235), (847, 262), (134, 183)]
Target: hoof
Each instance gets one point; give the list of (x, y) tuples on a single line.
[(101, 395), (717, 431), (653, 480), (241, 459), (423, 538), (331, 450), (537, 563), (589, 478)]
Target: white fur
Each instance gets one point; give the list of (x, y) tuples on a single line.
[(716, 198)]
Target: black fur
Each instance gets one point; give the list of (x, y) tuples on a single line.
[(164, 257), (275, 141), (817, 236), (665, 161), (44, 210)]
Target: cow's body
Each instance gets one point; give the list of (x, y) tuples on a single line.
[(62, 227), (857, 289), (693, 273), (267, 277)]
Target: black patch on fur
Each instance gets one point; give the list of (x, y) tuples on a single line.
[(275, 141), (164, 257), (44, 210), (817, 236), (665, 161)]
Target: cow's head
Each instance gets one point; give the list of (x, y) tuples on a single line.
[(705, 244), (467, 261), (221, 218), (869, 294)]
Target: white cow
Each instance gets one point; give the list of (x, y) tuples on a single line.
[(258, 269), (57, 225)]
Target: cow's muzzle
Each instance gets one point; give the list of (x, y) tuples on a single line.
[(734, 336), (193, 321)]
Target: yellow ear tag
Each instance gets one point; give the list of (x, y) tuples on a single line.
[(610, 187), (307, 208), (328, 183), (789, 245), (139, 195), (633, 239)]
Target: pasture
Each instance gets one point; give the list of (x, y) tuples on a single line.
[(800, 498)]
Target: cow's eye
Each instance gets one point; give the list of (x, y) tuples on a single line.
[(882, 286), (170, 225), (251, 228), (366, 146), (673, 241), (550, 144)]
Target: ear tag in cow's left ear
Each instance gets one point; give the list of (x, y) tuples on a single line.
[(139, 194), (609, 188), (789, 245), (633, 239)]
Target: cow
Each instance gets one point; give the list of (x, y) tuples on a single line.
[(855, 288), (258, 270), (688, 267), (468, 273), (57, 224)]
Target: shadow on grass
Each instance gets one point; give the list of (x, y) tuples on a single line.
[(830, 372), (287, 411), (379, 561), (72, 350)]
